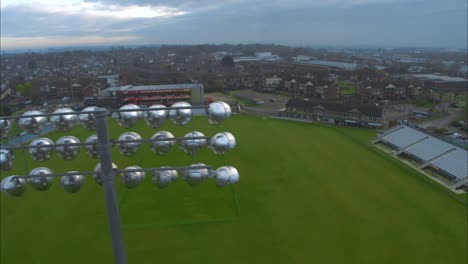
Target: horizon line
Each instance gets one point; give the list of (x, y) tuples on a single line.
[(354, 46)]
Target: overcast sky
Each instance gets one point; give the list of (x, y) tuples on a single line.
[(388, 23)]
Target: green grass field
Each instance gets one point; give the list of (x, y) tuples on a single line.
[(347, 88), (317, 195)]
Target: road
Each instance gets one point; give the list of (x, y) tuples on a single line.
[(260, 111), (444, 122), (272, 103)]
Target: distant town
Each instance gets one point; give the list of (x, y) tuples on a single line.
[(368, 87)]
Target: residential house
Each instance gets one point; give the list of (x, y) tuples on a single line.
[(364, 92), (380, 91), (76, 91), (91, 91), (290, 86), (389, 92), (320, 91), (272, 83), (332, 91), (309, 89)]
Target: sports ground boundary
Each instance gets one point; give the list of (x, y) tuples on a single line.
[(412, 170), (406, 167)]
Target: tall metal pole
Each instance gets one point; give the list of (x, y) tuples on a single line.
[(108, 176)]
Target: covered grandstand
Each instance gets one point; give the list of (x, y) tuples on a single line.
[(148, 95), (429, 152)]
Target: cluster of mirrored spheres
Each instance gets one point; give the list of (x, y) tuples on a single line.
[(64, 119), (42, 178), (68, 147)]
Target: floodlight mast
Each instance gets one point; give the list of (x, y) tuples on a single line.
[(108, 175), (34, 121)]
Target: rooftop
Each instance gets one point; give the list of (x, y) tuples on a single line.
[(429, 149), (436, 77), (369, 110), (152, 87), (338, 64)]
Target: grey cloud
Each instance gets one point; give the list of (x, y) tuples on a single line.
[(38, 24), (387, 25), (188, 4), (294, 22)]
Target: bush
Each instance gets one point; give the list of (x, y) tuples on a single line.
[(455, 123)]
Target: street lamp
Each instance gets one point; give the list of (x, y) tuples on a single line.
[(99, 146)]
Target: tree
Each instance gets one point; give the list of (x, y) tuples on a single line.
[(362, 74), (20, 88), (24, 89), (227, 61)]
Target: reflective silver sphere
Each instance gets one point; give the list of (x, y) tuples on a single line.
[(64, 123), (192, 146), (6, 159), (32, 125), (132, 179), (68, 152), (195, 176), (163, 178), (98, 174), (234, 178), (180, 117), (222, 176), (162, 147), (87, 120), (226, 175), (13, 186), (222, 142), (217, 112), (129, 148), (44, 152), (42, 183), (128, 119), (155, 118), (5, 128), (92, 150), (72, 183)]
